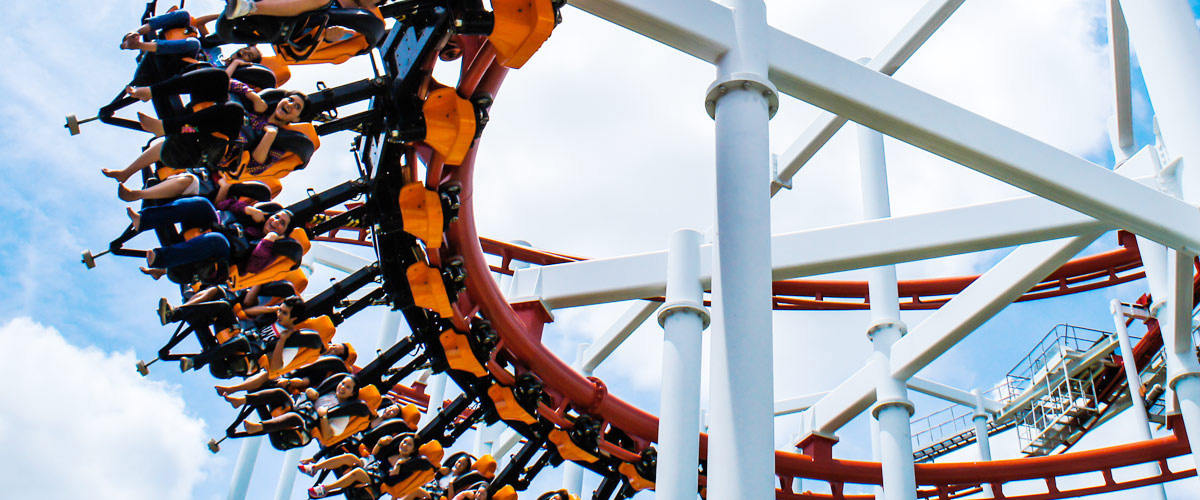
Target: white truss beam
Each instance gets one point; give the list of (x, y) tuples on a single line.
[(826, 250), (846, 88), (952, 394), (616, 335), (988, 295), (887, 61)]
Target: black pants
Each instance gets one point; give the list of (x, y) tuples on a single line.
[(207, 85)]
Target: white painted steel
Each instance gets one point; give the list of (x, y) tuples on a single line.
[(1167, 43), (1118, 37), (679, 409), (335, 258), (436, 389), (994, 290), (741, 445), (485, 437), (984, 445), (244, 468), (954, 231), (504, 443), (616, 334), (1141, 423), (887, 61), (952, 394), (893, 410), (797, 404), (844, 87), (287, 474), (389, 329)]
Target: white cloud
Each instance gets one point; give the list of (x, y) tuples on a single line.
[(80, 423)]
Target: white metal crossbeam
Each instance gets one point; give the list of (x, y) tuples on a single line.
[(951, 394), (887, 61), (844, 87), (951, 323)]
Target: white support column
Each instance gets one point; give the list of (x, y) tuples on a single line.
[(1141, 424), (504, 443), (683, 318), (742, 443), (573, 472), (1175, 321), (1167, 44), (892, 409), (485, 438), (244, 468), (287, 474), (982, 440), (389, 329), (436, 389)]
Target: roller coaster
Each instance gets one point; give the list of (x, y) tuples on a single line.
[(415, 146)]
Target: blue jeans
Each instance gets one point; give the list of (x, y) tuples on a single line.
[(170, 20), (189, 212), (194, 211), (203, 247)]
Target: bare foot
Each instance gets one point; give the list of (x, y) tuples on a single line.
[(236, 402), (151, 124), (126, 194), (139, 93), (119, 175), (252, 427), (150, 257), (136, 219), (153, 273), (130, 41), (222, 390)]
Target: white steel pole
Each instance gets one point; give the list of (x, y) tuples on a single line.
[(741, 446), (1167, 44), (389, 329), (1175, 322), (980, 418), (436, 389), (287, 474), (683, 318), (244, 468), (892, 409), (573, 472), (1141, 426)]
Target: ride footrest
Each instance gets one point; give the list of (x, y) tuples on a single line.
[(436, 289), (425, 213), (462, 355), (451, 123), (521, 27), (569, 449), (509, 406), (641, 474)]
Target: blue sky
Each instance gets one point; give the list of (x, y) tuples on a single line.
[(559, 170)]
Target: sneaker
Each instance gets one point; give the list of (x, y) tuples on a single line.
[(238, 8), (307, 469), (317, 491), (185, 364), (164, 311)]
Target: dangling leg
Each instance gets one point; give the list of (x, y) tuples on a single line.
[(258, 380), (172, 187), (147, 158), (277, 8)]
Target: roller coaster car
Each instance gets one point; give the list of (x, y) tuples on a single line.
[(297, 39), (519, 402), (390, 427), (436, 289), (350, 418), (426, 213), (415, 472), (486, 466), (301, 350), (557, 495), (470, 352), (298, 141), (580, 443), (289, 253), (641, 474)]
